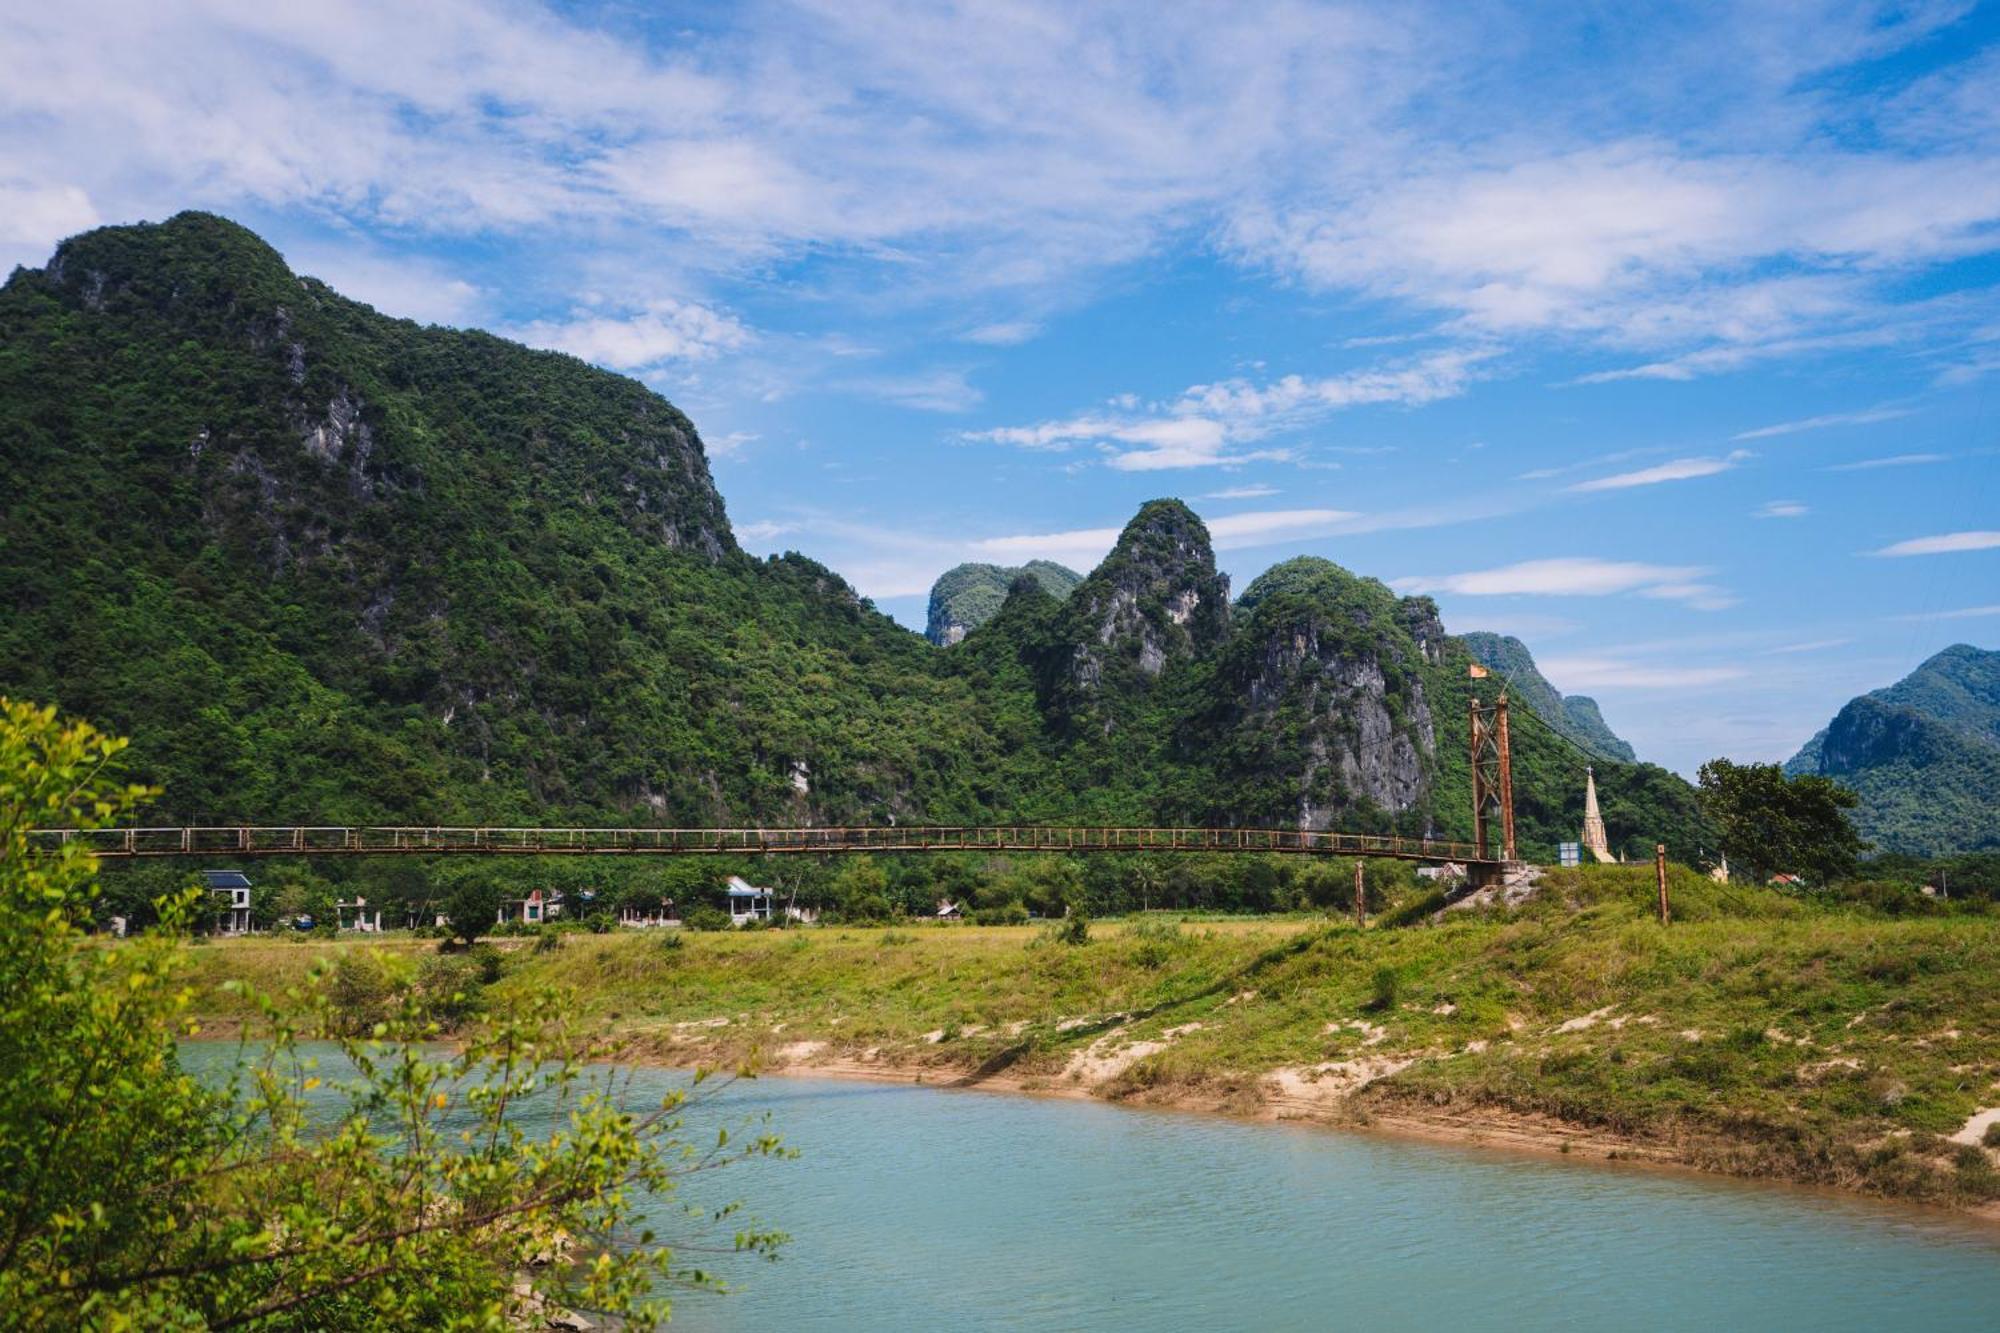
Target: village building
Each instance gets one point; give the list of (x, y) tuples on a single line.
[(231, 888), (356, 915), (747, 902), (532, 910), (947, 910)]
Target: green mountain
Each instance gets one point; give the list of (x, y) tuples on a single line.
[(967, 596), (1924, 755), (1574, 715), (323, 564)]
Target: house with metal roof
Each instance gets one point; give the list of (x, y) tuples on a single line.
[(232, 913)]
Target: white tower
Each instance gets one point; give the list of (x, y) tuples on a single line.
[(1593, 820)]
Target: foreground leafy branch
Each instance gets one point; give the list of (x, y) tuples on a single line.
[(355, 1181)]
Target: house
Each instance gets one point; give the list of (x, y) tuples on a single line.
[(947, 910), (747, 902), (356, 916), (663, 913), (1783, 881), (532, 910), (232, 915)]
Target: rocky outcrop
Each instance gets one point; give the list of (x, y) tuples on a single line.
[(968, 596), (1156, 600), (1319, 701), (1575, 716)]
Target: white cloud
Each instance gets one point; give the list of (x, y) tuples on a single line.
[(1831, 419), (1895, 460), (665, 330), (1581, 576), (1943, 544), (1681, 469), (761, 531), (33, 217), (944, 390), (1004, 333), (1814, 646), (407, 288), (722, 446), (1781, 509), (1236, 531), (1208, 425), (1962, 613), (1572, 674), (1257, 492)]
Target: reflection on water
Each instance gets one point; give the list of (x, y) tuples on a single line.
[(924, 1208)]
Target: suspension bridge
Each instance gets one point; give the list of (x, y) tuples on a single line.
[(1485, 857)]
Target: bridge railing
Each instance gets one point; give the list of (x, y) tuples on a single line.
[(319, 840)]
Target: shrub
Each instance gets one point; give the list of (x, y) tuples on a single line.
[(1073, 929), (599, 923), (1012, 913), (548, 940), (1387, 988), (1992, 1136), (449, 989), (672, 940), (359, 989), (705, 917), (488, 960)]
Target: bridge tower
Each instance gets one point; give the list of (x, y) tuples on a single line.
[(1492, 779)]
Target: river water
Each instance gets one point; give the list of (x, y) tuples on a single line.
[(925, 1208)]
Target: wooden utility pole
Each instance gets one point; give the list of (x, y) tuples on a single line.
[(1360, 896), (1660, 877)]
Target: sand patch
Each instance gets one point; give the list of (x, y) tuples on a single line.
[(799, 1052), (1589, 1020), (1303, 1089), (1974, 1130)]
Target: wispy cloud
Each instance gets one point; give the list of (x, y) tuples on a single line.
[(1005, 333), (1962, 613), (1241, 493), (1681, 469), (1211, 425), (1872, 415), (942, 390), (1813, 646), (1943, 544), (1894, 460), (1581, 576), (1608, 673), (1780, 509), (665, 330)]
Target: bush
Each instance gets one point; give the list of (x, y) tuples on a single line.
[(449, 989), (1073, 929), (705, 917), (1992, 1136), (1012, 913), (1387, 989), (599, 923), (672, 940), (1158, 942), (548, 940), (488, 960), (360, 990)]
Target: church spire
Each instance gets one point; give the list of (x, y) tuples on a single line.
[(1593, 820)]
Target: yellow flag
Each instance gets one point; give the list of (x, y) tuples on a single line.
[(1477, 672)]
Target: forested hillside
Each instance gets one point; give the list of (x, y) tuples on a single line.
[(1574, 715), (967, 596), (322, 564), (1924, 755)]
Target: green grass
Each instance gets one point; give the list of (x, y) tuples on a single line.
[(1828, 1045)]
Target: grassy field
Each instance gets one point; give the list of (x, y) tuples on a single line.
[(1757, 1035)]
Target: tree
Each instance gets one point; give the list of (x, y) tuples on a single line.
[(471, 904), (133, 1195), (1767, 822)]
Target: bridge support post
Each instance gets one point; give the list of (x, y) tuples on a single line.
[(1492, 779)]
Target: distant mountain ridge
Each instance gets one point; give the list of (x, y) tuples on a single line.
[(1924, 755), (1576, 716), (323, 564), (967, 596)]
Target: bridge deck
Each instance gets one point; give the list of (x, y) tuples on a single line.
[(300, 840)]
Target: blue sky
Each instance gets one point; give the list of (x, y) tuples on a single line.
[(1664, 337)]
